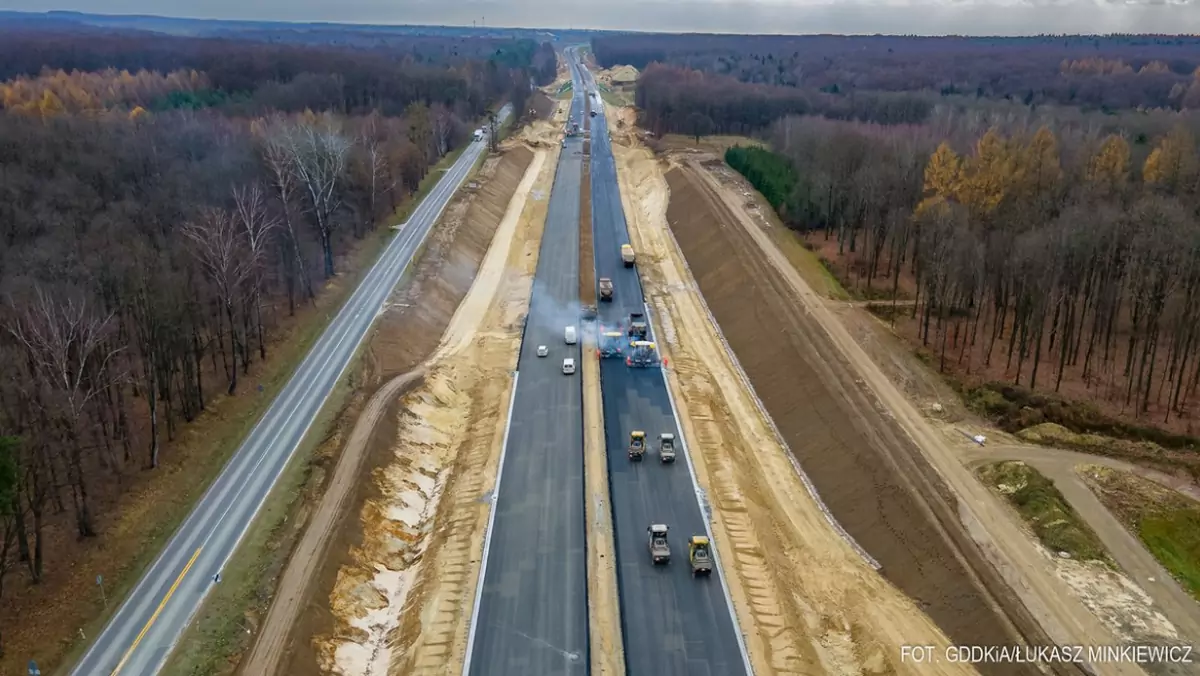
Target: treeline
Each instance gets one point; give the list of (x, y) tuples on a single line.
[(150, 250), (1044, 257), (267, 76), (678, 100), (1113, 73)]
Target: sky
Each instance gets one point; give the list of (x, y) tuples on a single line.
[(922, 17)]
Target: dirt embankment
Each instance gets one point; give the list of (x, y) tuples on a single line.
[(1137, 603), (806, 600), (407, 333), (873, 479)]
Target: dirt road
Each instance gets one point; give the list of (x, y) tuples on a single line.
[(934, 527), (268, 648), (1157, 609), (401, 600), (405, 491), (807, 601)]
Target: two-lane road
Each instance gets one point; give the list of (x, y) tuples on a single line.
[(672, 623), (531, 612), (138, 639)]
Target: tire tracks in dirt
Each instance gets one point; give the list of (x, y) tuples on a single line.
[(1166, 598), (943, 526), (805, 598)]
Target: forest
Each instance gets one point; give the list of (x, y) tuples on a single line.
[(1093, 72), (1044, 255), (165, 203)]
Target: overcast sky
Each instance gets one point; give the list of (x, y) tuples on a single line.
[(925, 17)]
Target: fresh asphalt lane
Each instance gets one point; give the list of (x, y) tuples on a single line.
[(532, 611), (141, 635), (671, 622)]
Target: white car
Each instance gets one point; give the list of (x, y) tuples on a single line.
[(542, 351), (568, 366)]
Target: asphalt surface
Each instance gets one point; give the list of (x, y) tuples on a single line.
[(532, 611), (671, 622), (138, 639)]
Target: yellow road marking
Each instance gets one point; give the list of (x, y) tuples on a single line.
[(150, 622)]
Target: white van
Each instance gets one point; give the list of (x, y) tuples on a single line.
[(568, 366), (569, 335)]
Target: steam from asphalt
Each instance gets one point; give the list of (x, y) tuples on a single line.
[(549, 310)]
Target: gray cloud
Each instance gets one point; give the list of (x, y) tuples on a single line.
[(968, 17)]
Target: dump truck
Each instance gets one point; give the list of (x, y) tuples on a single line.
[(666, 447), (637, 444), (642, 354), (660, 551), (606, 289), (611, 344), (637, 326), (627, 255), (700, 554)]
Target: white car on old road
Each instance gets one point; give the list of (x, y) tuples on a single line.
[(542, 351)]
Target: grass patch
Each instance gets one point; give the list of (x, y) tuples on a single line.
[(405, 210), (1166, 522), (1043, 507), (224, 427), (1050, 420), (221, 630), (217, 637)]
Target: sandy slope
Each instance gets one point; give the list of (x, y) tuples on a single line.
[(986, 518), (807, 600), (404, 601)]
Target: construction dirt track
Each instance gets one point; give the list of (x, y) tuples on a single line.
[(867, 471)]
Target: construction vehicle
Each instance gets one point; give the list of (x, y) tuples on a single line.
[(660, 551), (666, 447), (642, 354), (637, 444), (700, 554), (611, 344), (637, 326), (627, 255), (606, 289)]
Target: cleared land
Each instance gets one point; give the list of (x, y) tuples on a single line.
[(808, 602), (406, 335), (1135, 601), (844, 434)]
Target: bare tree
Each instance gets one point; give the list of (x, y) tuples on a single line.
[(68, 348), (318, 153), (278, 158), (219, 250), (443, 125), (257, 225), (376, 169)]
